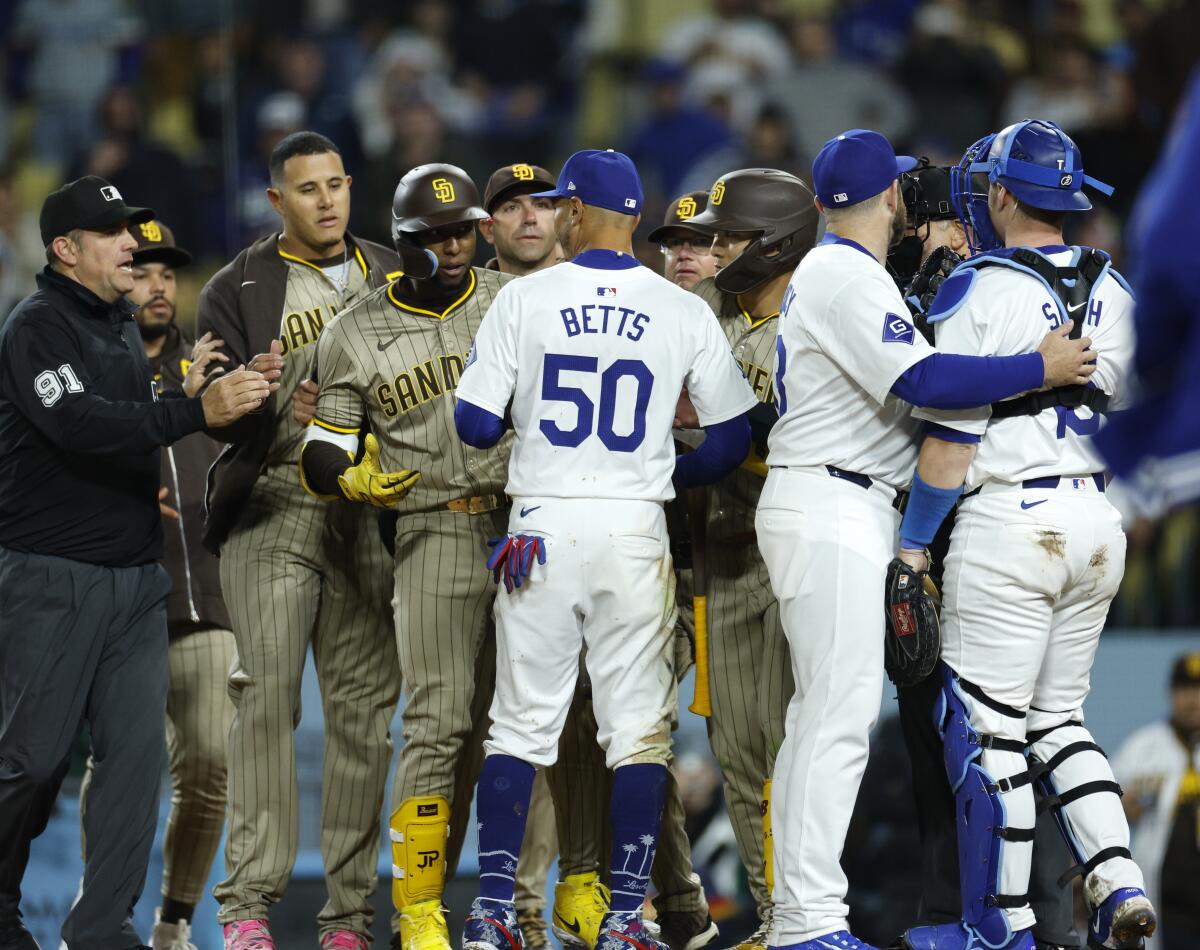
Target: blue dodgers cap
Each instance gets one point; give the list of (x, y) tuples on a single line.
[(856, 165), (599, 177)]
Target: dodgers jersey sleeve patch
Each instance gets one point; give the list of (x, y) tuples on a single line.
[(896, 329)]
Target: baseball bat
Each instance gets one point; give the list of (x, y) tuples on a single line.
[(697, 508)]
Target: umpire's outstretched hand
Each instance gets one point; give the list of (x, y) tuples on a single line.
[(230, 397)]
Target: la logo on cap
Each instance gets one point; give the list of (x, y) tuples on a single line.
[(110, 193), (570, 186)]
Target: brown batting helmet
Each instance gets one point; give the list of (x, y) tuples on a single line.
[(434, 196), (776, 208)]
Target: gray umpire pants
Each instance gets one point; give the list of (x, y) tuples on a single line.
[(80, 643)]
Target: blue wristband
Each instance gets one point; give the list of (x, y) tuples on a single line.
[(927, 509)]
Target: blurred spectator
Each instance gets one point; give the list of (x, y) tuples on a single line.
[(728, 53), (301, 68), (73, 48), (676, 136), (953, 77), (1159, 768), (1166, 53), (1071, 88), (279, 115), (408, 68), (706, 821), (150, 173), (21, 251), (514, 58), (825, 94), (417, 136)]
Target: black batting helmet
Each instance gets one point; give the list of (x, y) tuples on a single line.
[(776, 208)]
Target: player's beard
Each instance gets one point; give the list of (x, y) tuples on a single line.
[(156, 329), (899, 223)]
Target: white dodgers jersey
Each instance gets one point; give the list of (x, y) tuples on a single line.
[(593, 356), (845, 337), (1009, 312)]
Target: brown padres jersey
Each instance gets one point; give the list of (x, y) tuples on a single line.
[(313, 297), (397, 366), (733, 500)]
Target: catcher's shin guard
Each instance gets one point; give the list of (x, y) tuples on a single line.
[(418, 830), (994, 804), (768, 840), (1085, 798)]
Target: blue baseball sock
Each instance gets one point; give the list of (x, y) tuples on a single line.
[(501, 807), (638, 793)]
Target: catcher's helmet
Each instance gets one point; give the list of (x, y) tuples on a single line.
[(773, 206)]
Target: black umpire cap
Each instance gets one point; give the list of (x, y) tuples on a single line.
[(515, 179), (88, 203)]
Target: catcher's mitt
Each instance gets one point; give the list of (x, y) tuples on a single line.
[(926, 283), (913, 635)]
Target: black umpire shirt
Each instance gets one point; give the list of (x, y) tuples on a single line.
[(80, 429)]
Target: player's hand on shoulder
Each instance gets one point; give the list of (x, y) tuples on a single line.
[(304, 402), (512, 557), (367, 482), (1067, 362), (234, 395), (205, 353)]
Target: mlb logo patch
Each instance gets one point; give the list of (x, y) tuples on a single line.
[(896, 329), (606, 291), (631, 202), (110, 193), (1078, 483), (841, 197)]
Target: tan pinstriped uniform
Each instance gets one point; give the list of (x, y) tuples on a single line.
[(297, 571), (396, 366), (750, 667)]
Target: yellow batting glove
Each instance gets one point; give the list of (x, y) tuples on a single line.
[(365, 481)]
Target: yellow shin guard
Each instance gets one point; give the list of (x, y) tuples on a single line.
[(768, 839), (419, 829)]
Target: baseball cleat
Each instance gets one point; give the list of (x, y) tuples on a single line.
[(1122, 921), (174, 936), (580, 903), (958, 936), (534, 928), (686, 930), (423, 927), (248, 935), (344, 940), (838, 940), (492, 925), (625, 930), (761, 937)]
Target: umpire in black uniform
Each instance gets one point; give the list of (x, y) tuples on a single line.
[(83, 630)]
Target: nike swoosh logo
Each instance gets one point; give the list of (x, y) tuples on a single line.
[(247, 283), (1033, 504), (1071, 309), (572, 926), (384, 344), (529, 511)]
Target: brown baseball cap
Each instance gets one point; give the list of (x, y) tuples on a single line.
[(675, 221), (1186, 671), (156, 245), (519, 178)]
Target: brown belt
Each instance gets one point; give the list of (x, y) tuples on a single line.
[(475, 506)]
